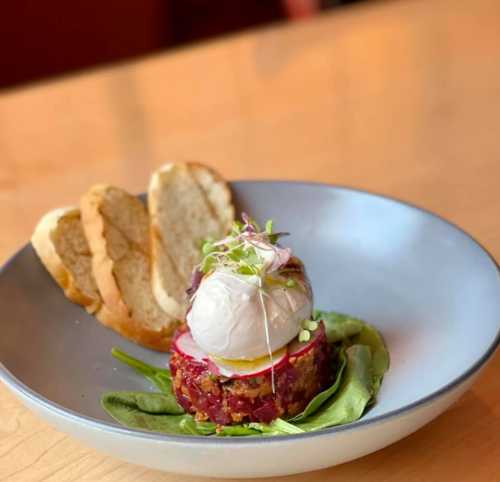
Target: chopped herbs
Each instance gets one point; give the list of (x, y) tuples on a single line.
[(307, 326), (311, 325), (304, 336)]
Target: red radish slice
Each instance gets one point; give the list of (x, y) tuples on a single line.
[(296, 347), (240, 369), (213, 368), (186, 346)]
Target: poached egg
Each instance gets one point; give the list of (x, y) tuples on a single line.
[(245, 317)]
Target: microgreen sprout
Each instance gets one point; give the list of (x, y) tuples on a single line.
[(244, 250), (208, 246)]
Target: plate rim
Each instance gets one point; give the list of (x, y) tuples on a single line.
[(18, 387)]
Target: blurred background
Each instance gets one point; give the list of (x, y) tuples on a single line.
[(41, 39), (399, 97)]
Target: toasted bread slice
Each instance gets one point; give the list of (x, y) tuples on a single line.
[(187, 204), (117, 228), (60, 243)]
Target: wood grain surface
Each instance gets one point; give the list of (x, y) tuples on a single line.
[(401, 98)]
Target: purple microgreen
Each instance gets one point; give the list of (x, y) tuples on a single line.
[(195, 282), (281, 258), (246, 218)]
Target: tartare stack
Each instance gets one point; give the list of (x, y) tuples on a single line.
[(249, 350)]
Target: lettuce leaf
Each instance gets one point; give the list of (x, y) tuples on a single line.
[(369, 336), (349, 331), (323, 396), (349, 403), (276, 427), (145, 410), (160, 377), (338, 327)]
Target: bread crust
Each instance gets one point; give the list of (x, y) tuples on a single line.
[(218, 198), (46, 250), (115, 313)]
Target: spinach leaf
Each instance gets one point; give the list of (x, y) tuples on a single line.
[(369, 336), (350, 330), (155, 412), (355, 392), (139, 365), (147, 402), (160, 377), (191, 426), (323, 396), (237, 431), (338, 327), (145, 411), (276, 427)]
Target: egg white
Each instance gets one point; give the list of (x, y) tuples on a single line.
[(227, 318)]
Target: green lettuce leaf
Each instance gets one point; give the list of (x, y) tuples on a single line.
[(349, 403), (146, 411), (149, 402), (349, 331), (338, 327), (190, 426), (369, 336), (276, 427), (323, 396), (242, 430), (160, 377)]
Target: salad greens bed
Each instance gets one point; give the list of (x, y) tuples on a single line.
[(363, 361)]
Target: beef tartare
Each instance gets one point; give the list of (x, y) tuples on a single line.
[(249, 351), (298, 377)]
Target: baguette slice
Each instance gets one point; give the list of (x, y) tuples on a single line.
[(61, 245), (187, 204), (117, 228)]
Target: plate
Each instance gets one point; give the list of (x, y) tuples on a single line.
[(431, 290)]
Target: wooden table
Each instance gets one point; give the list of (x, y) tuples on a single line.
[(401, 98)]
